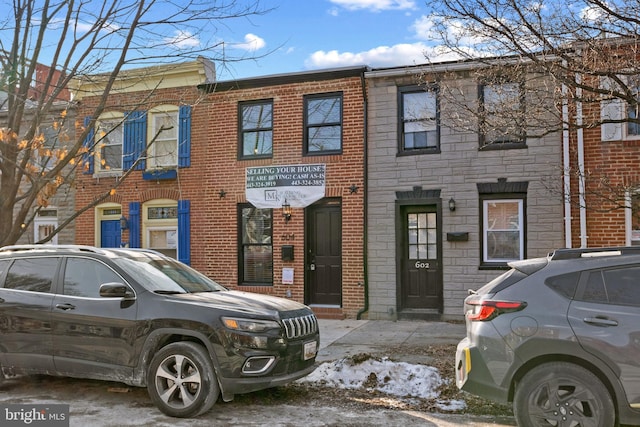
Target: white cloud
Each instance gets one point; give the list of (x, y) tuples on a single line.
[(183, 39), (251, 43), (382, 56), (375, 5)]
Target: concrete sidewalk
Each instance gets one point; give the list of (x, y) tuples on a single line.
[(341, 338)]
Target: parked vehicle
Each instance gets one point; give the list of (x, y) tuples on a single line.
[(559, 337), (144, 319)]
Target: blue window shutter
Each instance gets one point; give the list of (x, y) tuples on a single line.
[(134, 224), (184, 137), (87, 157), (135, 139), (184, 232)]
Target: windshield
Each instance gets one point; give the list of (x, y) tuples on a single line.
[(161, 274)]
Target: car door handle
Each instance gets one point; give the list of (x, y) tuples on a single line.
[(65, 306), (600, 321)]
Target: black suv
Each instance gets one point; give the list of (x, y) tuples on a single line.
[(143, 319), (559, 337)]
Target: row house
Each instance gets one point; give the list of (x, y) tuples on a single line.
[(455, 190), (602, 157), (54, 131), (257, 183)]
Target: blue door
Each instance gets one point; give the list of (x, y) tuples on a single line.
[(110, 234)]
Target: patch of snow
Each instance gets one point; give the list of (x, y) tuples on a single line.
[(395, 378)]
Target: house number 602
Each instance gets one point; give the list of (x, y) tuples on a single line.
[(420, 264)]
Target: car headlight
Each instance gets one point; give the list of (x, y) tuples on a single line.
[(249, 325)]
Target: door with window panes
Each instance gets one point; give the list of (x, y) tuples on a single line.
[(420, 265)]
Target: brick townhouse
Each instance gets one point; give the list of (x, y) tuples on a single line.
[(258, 183), (55, 129), (603, 157), (450, 202)]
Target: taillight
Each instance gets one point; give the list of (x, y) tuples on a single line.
[(481, 311)]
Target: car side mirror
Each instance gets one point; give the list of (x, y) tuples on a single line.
[(115, 290)]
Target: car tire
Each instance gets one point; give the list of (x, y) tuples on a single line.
[(560, 393), (181, 380)]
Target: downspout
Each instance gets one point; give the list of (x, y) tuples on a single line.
[(566, 190), (365, 200), (581, 176)]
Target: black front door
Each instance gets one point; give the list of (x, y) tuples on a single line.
[(324, 254), (420, 265)]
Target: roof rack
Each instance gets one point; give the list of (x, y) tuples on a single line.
[(17, 248), (561, 254)]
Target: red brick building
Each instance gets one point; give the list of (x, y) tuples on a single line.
[(258, 183), (603, 204)]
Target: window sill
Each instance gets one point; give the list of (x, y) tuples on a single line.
[(496, 266), (418, 151), (502, 146), (107, 174)]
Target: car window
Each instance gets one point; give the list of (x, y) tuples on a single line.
[(32, 274), (163, 274), (83, 277), (623, 286), (620, 286), (594, 290), (564, 284), (3, 266)]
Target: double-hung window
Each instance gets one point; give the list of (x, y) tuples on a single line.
[(419, 120), (256, 129), (502, 115), (620, 108), (162, 151), (632, 213), (109, 138), (256, 247), (503, 220), (323, 123)]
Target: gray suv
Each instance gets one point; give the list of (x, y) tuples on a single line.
[(559, 337), (144, 319)]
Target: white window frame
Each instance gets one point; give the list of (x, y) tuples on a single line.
[(154, 161), (615, 109), (631, 238), (45, 221), (111, 118), (485, 229), (164, 224)]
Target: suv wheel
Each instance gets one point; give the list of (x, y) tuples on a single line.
[(181, 380), (560, 393)]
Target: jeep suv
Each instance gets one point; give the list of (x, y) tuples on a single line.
[(559, 337), (144, 319)]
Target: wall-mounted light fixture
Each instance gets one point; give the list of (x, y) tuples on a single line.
[(124, 224), (286, 210), (452, 204)]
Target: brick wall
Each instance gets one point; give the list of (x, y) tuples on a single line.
[(215, 168)]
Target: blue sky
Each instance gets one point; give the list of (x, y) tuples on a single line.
[(315, 34)]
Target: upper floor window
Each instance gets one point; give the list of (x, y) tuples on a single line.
[(419, 120), (108, 143), (620, 116), (501, 115), (256, 129), (323, 123), (45, 152), (162, 147)]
